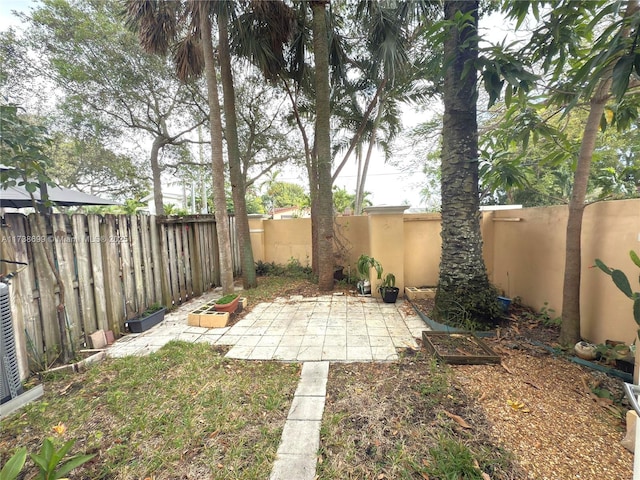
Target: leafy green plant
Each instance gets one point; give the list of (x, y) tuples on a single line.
[(49, 460), (227, 299), (622, 282), (153, 308), (364, 265), (14, 465)]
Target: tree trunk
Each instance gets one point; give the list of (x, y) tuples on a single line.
[(570, 327), (217, 160), (365, 168), (238, 188), (464, 293), (156, 173), (324, 199)]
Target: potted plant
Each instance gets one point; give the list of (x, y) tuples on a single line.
[(364, 265), (388, 290), (149, 318), (228, 303)]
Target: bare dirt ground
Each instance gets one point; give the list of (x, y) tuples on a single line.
[(560, 420)]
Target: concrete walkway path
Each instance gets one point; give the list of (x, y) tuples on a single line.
[(298, 450)]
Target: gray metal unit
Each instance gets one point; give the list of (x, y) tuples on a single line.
[(10, 385)]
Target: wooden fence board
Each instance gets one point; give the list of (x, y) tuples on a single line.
[(167, 298), (46, 289), (113, 282), (67, 270), (182, 286), (158, 271), (97, 270), (173, 265), (24, 310), (196, 259), (145, 233), (83, 265), (123, 238), (136, 255), (186, 258)]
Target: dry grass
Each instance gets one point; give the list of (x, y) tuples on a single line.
[(404, 421), (183, 412)]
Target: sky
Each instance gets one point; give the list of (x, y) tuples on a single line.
[(387, 185)]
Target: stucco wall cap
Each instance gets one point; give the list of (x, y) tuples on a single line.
[(386, 209)]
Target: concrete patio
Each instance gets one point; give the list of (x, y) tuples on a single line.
[(326, 328)]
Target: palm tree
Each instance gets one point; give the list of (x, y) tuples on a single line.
[(158, 25), (322, 196), (238, 186), (463, 284)]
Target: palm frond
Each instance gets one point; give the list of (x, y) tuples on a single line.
[(188, 58)]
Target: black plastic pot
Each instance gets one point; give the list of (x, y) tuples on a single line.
[(139, 325), (389, 294)]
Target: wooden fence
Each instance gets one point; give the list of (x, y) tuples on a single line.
[(113, 268)]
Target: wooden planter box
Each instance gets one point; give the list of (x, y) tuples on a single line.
[(139, 325), (459, 348)]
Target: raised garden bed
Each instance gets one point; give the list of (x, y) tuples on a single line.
[(459, 348)]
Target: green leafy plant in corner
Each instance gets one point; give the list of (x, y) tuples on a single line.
[(364, 265), (622, 282)]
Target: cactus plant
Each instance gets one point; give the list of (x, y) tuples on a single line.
[(622, 282)]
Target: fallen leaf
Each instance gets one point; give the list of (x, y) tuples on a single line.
[(458, 419), (506, 368)]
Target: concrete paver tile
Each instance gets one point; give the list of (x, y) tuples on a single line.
[(189, 337), (269, 341), (338, 330), (291, 340), (335, 340), (240, 352), (335, 353), (196, 330), (300, 437), (378, 331), (381, 342), (212, 339), (248, 340), (287, 353), (262, 353), (309, 354), (299, 467), (359, 353), (357, 340), (306, 408), (228, 339), (312, 340), (384, 354)]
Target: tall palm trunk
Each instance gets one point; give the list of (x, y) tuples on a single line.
[(238, 189), (324, 197), (464, 291), (217, 160)]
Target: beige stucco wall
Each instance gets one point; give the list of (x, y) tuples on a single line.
[(523, 251), (528, 254), (422, 245), (286, 239), (609, 231)]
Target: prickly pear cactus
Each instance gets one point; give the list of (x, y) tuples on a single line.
[(622, 282)]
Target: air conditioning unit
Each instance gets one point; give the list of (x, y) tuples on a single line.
[(10, 385)]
